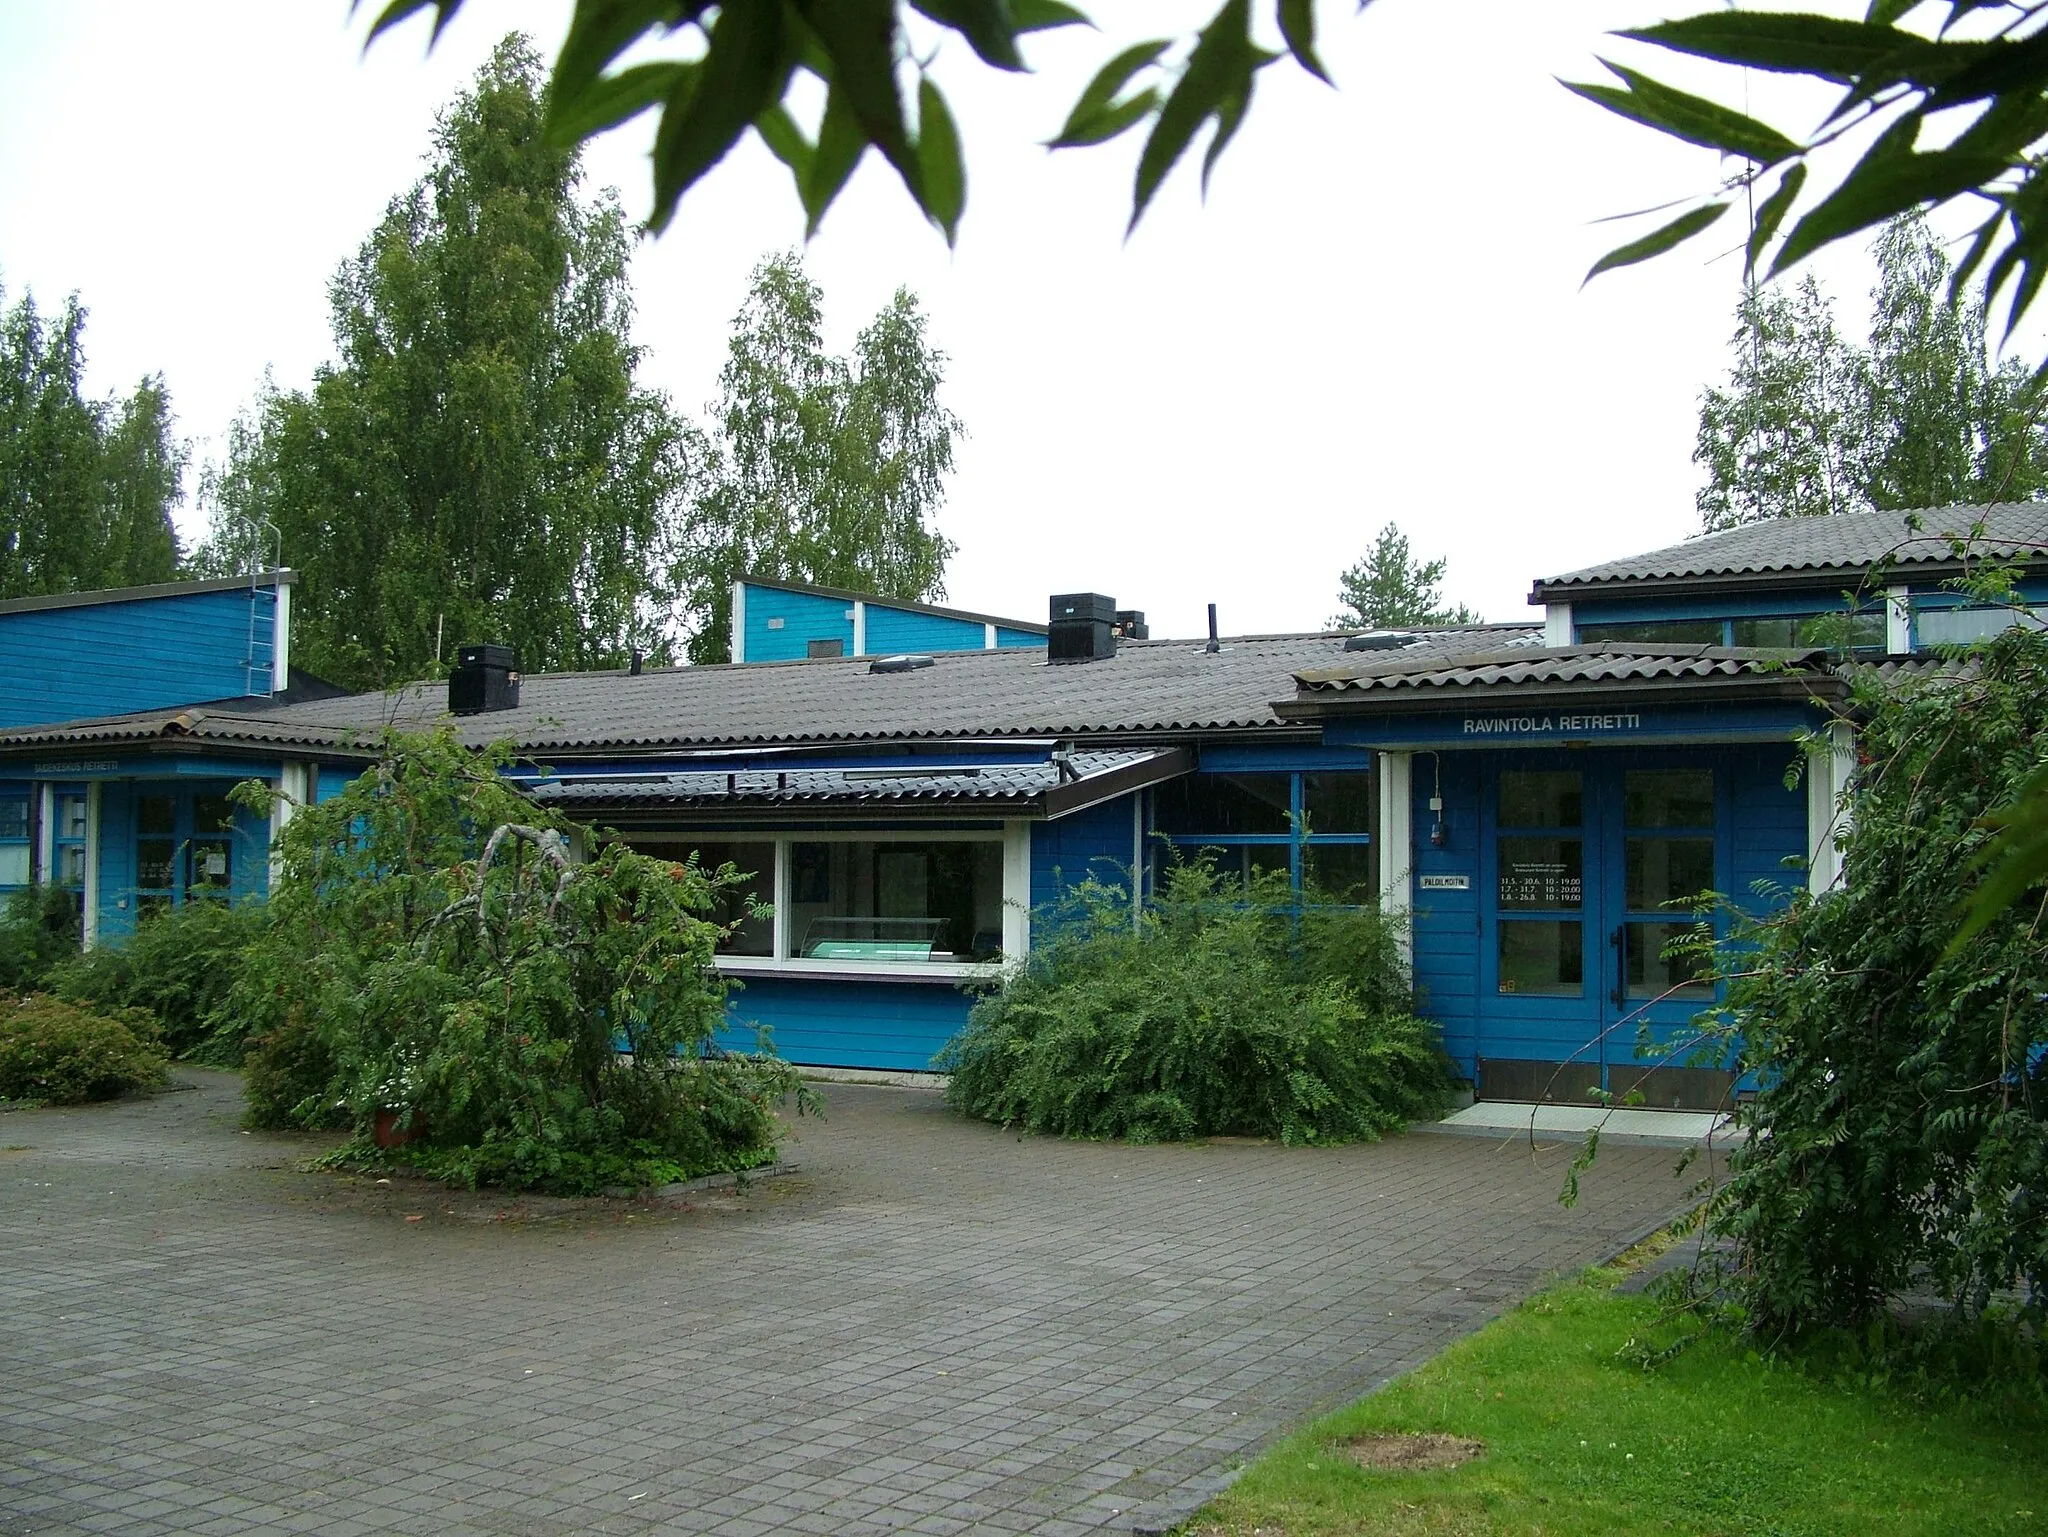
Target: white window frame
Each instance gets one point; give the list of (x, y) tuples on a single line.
[(1014, 836)]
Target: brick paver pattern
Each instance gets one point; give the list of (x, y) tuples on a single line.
[(933, 1326)]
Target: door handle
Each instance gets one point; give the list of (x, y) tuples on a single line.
[(1619, 939)]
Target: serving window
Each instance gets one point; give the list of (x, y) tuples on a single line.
[(826, 901)]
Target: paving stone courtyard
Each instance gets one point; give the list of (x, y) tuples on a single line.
[(931, 1326)]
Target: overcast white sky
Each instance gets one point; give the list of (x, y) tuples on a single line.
[(1376, 315)]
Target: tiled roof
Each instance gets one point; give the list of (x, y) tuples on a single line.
[(1828, 547), (1553, 668), (1007, 782), (1147, 688)]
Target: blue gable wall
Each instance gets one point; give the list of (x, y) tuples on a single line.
[(86, 660), (780, 623), (892, 630), (803, 616)]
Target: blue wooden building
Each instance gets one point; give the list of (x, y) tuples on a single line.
[(1540, 800), (128, 835)]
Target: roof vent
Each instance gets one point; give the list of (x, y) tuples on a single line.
[(1380, 640), (485, 678), (899, 663), (1083, 628), (1130, 624)]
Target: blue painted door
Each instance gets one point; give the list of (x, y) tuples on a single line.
[(1588, 865)]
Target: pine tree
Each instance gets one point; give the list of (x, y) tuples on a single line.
[(1389, 589)]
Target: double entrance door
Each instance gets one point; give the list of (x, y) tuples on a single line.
[(1591, 867)]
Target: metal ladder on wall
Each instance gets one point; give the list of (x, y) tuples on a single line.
[(260, 651)]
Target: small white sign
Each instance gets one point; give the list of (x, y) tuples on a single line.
[(1446, 883)]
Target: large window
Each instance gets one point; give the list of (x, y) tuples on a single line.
[(1860, 631), (896, 901), (862, 901), (747, 932), (1316, 826), (1949, 626)]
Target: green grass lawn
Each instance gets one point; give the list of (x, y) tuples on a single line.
[(1718, 1440)]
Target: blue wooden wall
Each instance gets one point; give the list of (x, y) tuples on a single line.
[(1094, 842), (895, 630), (780, 624), (804, 616), (898, 1026), (88, 660)]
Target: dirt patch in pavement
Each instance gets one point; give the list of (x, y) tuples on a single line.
[(1400, 1452)]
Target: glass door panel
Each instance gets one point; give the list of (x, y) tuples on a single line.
[(1540, 883), (156, 852)]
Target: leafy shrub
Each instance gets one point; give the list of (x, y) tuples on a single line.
[(181, 965), (57, 1053), (38, 929), (432, 949), (1900, 1139), (1221, 1010), (288, 1080)]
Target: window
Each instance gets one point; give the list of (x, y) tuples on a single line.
[(156, 851), (1842, 631), (921, 901), (1657, 632), (1225, 805), (1864, 631), (1966, 626), (14, 860), (748, 934), (69, 842), (896, 901), (1317, 826)]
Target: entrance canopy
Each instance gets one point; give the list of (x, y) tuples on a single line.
[(1529, 695)]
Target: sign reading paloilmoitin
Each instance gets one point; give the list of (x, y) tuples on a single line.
[(1539, 725)]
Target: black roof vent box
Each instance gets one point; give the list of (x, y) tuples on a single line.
[(485, 678), (1380, 640), (1082, 627), (899, 663)]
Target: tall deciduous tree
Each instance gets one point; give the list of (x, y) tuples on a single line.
[(821, 468), (1779, 440), (86, 486), (479, 462), (1920, 417), (1389, 588)]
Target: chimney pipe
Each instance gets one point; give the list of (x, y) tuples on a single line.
[(633, 668), (1214, 644)]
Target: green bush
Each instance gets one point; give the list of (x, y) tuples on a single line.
[(432, 950), (1899, 1141), (1221, 1010), (288, 1080), (53, 1052), (38, 930), (181, 964)]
